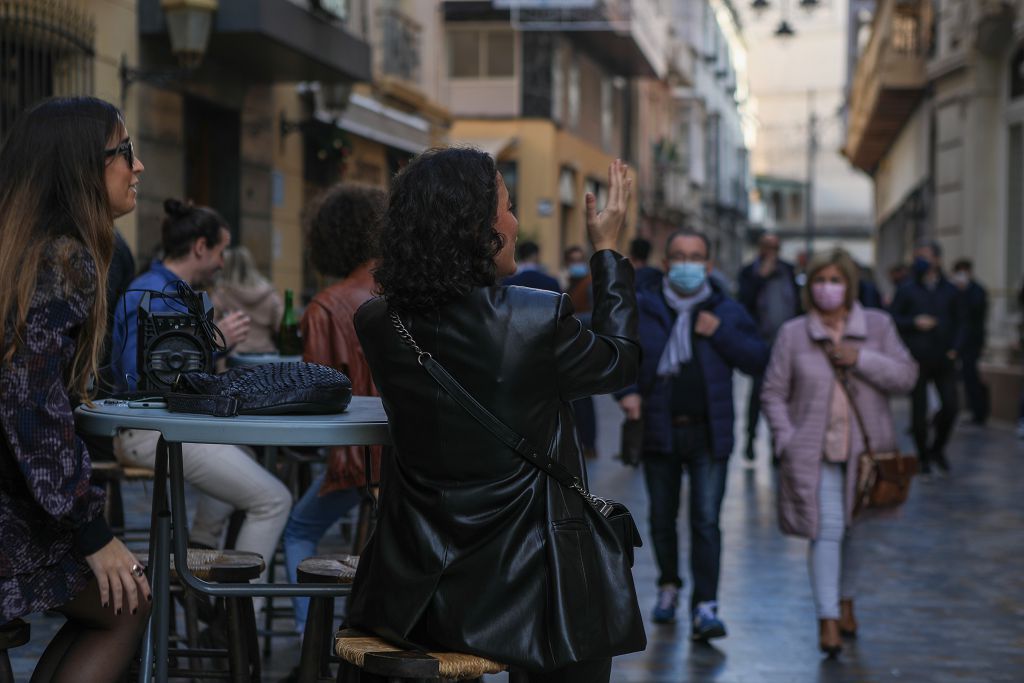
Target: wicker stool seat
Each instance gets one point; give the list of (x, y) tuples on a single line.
[(12, 634), (219, 566), (223, 566), (378, 657), (328, 569)]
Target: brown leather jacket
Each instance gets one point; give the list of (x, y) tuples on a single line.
[(329, 338)]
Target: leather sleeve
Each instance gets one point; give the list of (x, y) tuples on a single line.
[(606, 357), (318, 344)]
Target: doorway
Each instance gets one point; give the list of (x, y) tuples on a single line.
[(213, 165)]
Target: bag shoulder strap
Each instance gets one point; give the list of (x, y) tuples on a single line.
[(490, 422), (844, 382)]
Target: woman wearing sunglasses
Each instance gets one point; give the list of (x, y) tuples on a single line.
[(67, 170)]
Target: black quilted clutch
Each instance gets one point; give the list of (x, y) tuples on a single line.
[(268, 389)]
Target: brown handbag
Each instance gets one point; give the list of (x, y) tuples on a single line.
[(883, 479)]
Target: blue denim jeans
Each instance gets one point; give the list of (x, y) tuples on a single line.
[(310, 519), (663, 473)]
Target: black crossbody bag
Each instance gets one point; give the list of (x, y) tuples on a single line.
[(590, 559)]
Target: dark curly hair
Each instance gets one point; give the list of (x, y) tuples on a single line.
[(438, 240), (343, 228)]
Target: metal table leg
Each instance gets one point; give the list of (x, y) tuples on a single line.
[(159, 574)]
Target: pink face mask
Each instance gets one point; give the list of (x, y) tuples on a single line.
[(828, 296)]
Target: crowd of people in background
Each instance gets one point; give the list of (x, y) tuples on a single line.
[(823, 348)]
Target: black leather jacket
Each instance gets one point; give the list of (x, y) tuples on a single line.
[(457, 560)]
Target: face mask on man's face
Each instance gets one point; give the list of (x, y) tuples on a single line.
[(687, 278), (577, 270)]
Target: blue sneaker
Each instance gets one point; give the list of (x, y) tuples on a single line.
[(668, 602), (706, 624)]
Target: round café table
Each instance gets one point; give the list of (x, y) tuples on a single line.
[(364, 423)]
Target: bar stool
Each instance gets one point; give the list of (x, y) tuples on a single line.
[(109, 474), (223, 566), (314, 662), (369, 659), (12, 634)]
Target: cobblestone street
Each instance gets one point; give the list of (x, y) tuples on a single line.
[(942, 586)]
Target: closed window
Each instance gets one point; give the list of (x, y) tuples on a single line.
[(481, 53)]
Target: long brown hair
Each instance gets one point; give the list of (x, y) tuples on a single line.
[(52, 184)]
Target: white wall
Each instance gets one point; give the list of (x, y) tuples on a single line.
[(782, 73)]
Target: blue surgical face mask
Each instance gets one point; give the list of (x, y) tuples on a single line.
[(687, 277), (577, 270), (921, 266)]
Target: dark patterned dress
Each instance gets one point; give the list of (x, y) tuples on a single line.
[(50, 515)]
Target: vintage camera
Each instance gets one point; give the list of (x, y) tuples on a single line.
[(173, 342)]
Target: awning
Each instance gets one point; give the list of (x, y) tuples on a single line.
[(370, 119), (495, 146), (264, 41)]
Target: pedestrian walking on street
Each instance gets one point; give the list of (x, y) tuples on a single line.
[(929, 313), (67, 170), (529, 271), (975, 304), (693, 336), (816, 429), (461, 556), (768, 290), (343, 237), (647, 277)]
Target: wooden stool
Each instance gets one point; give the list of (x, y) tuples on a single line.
[(314, 662), (109, 475), (12, 634), (369, 659), (224, 566)]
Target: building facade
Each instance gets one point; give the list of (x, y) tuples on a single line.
[(937, 119), (548, 93)]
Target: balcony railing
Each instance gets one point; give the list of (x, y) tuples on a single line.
[(399, 45), (890, 79), (635, 31)]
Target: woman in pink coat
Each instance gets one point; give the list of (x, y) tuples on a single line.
[(815, 431)]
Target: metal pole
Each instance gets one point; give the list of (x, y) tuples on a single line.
[(812, 152)]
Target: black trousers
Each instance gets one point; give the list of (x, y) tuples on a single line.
[(754, 406), (593, 671), (943, 375), (975, 392)]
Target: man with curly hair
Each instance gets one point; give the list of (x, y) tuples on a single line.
[(342, 234)]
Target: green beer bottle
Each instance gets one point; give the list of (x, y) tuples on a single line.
[(289, 337)]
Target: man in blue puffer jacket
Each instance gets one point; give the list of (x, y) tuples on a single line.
[(693, 336)]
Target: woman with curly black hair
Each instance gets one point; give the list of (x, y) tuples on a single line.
[(468, 552)]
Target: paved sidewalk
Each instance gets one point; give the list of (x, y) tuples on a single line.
[(942, 586)]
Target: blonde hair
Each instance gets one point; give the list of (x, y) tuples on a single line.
[(841, 259), (240, 269)]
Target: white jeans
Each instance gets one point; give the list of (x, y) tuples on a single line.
[(833, 559), (228, 478)]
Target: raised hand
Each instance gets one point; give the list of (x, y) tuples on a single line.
[(604, 228)]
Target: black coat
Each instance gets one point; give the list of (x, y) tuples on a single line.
[(458, 560), (945, 304)]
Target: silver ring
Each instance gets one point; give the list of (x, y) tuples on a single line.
[(137, 570)]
